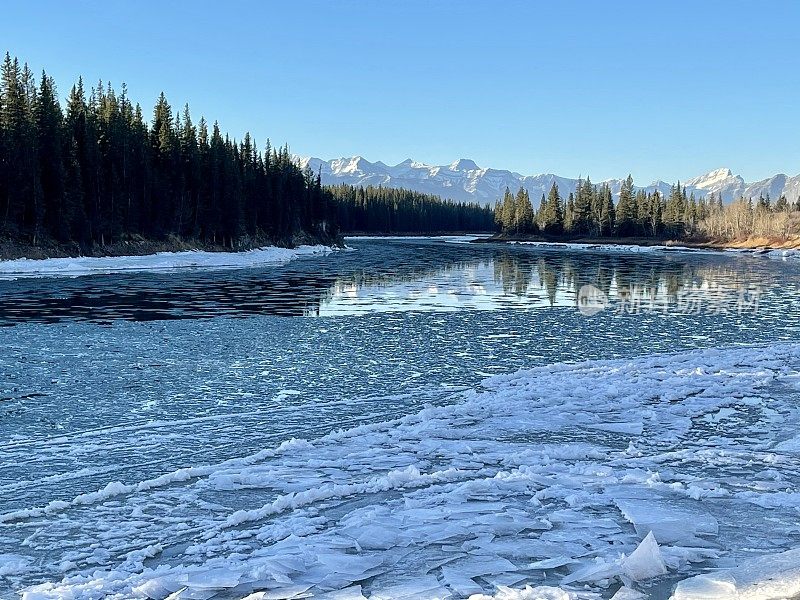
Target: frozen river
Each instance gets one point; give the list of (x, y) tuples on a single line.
[(358, 421)]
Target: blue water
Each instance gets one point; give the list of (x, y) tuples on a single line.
[(125, 377)]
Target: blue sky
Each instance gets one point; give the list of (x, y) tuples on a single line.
[(662, 90)]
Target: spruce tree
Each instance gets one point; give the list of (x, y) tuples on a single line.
[(524, 216), (553, 213), (626, 214), (509, 212), (49, 125), (607, 218)]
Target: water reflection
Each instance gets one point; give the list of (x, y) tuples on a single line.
[(547, 279), (626, 280), (400, 275)]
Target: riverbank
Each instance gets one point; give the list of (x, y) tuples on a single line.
[(412, 234), (139, 246), (754, 243), (160, 261)]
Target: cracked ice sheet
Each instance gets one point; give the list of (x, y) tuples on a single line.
[(514, 486)]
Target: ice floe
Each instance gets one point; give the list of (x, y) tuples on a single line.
[(768, 577), (516, 491)]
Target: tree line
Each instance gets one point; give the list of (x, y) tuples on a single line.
[(98, 172), (389, 210), (590, 211)]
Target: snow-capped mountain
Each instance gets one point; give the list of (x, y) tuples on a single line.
[(716, 182), (465, 181)]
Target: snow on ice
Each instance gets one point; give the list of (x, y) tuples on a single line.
[(512, 493), (163, 261)]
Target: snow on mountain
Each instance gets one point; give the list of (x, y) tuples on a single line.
[(775, 186), (719, 181), (464, 180)]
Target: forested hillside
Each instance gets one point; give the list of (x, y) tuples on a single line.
[(98, 171), (590, 212), (388, 210)]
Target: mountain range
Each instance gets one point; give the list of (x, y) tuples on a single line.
[(463, 180)]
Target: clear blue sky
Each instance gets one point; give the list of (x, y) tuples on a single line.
[(667, 89)]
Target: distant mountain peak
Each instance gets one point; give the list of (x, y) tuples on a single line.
[(464, 180), (720, 173), (464, 164), (711, 178)]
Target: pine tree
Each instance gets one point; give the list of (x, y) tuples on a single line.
[(13, 123), (569, 214), (523, 212), (626, 213), (552, 220), (607, 217), (655, 212), (509, 213), (582, 220), (97, 173), (49, 125)]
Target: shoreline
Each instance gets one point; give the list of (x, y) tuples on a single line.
[(749, 244), (26, 268), (436, 234), (138, 246)]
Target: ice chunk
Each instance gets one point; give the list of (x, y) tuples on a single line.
[(634, 428), (459, 582), (721, 586), (594, 571), (791, 446), (213, 579), (285, 593), (669, 524), (527, 593), (552, 563), (626, 593), (13, 564), (351, 593), (767, 577), (645, 562), (421, 588)]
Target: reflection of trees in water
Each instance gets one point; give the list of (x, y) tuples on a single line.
[(355, 280), (302, 288), (622, 278), (514, 275), (369, 278)]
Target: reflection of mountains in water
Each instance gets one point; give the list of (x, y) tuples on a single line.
[(298, 289), (619, 277), (301, 288)]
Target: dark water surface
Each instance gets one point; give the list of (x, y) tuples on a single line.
[(408, 275)]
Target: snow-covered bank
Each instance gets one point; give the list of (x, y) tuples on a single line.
[(574, 479), (445, 238), (780, 254), (628, 248), (163, 261)]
